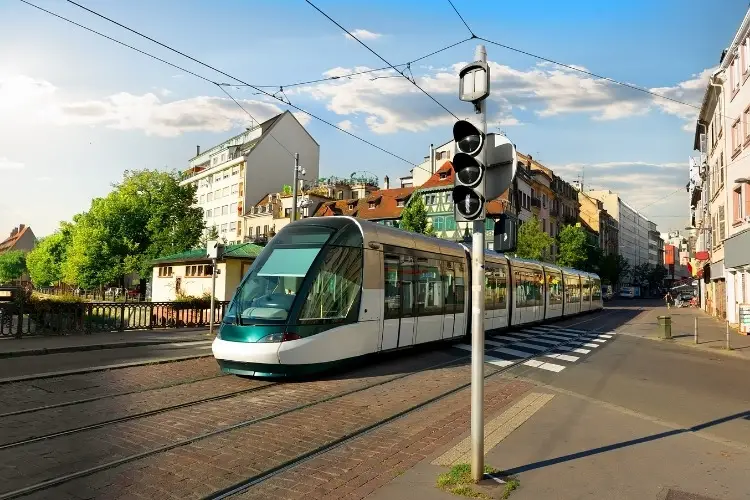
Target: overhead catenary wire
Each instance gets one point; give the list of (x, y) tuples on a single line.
[(381, 58), (462, 19), (210, 67)]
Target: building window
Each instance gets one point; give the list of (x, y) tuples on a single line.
[(736, 136), (214, 160), (217, 177), (208, 213), (443, 175), (233, 208), (232, 226), (265, 230), (287, 212), (373, 205), (225, 210), (225, 174), (722, 227), (209, 197), (437, 223), (223, 228), (165, 271), (202, 199), (340, 195), (450, 223), (235, 171), (235, 188), (217, 194), (738, 210), (199, 271), (225, 191), (400, 203)]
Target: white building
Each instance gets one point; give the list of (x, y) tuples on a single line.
[(237, 173), (633, 236)]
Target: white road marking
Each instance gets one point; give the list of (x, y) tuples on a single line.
[(564, 357), (530, 346), (512, 352), (544, 366), (497, 361)]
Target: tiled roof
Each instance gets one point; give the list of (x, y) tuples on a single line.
[(241, 251), (11, 241), (386, 206), (443, 177)]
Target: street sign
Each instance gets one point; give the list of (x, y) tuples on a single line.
[(214, 250)]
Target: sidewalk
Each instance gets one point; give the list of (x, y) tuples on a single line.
[(711, 331), (35, 346)]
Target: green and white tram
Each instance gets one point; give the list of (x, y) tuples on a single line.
[(333, 289)]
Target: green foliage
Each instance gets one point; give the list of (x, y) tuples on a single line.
[(458, 481), (647, 275), (613, 269), (573, 247), (12, 265), (147, 215), (213, 233), (46, 260), (594, 256), (533, 243), (414, 217)]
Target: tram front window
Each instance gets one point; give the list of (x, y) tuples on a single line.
[(268, 293)]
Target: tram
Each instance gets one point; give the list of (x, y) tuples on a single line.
[(330, 290)]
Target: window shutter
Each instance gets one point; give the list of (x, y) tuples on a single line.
[(746, 187), (735, 206)]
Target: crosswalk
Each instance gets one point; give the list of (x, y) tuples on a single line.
[(538, 346)]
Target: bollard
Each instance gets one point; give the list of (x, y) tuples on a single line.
[(695, 330), (665, 323), (729, 348)]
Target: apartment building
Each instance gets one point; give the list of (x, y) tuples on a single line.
[(598, 223), (235, 174), (633, 227)]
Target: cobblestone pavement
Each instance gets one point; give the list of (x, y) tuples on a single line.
[(17, 396)]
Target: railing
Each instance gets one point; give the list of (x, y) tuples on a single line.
[(18, 320), (94, 295)]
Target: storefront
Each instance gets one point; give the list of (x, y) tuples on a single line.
[(737, 262)]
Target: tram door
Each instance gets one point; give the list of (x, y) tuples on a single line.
[(399, 312)]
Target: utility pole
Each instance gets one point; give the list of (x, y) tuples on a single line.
[(213, 293), (477, 315), (294, 187)]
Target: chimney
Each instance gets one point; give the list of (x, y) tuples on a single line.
[(386, 183), (198, 150), (20, 227), (432, 159), (13, 232)]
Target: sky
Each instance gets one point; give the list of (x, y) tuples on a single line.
[(77, 110)]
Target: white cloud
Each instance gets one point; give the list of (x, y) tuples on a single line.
[(363, 35), (387, 103), (26, 99), (690, 91), (44, 178), (6, 164), (346, 125)]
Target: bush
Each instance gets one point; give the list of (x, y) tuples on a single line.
[(183, 301)]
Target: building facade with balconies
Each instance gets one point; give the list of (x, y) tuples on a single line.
[(237, 173)]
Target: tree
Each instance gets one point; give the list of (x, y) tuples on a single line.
[(414, 217), (656, 276), (12, 265), (640, 274), (594, 256), (532, 241), (614, 268), (45, 262), (573, 247), (147, 215)]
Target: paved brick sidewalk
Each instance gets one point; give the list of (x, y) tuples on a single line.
[(33, 346), (711, 331)]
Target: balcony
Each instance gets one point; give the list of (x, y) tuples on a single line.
[(536, 202)]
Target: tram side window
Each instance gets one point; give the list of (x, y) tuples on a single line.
[(554, 284), (449, 287), (524, 291), (586, 283), (538, 278), (430, 295), (407, 270), (392, 288), (575, 289), (489, 288), (597, 290), (460, 287), (336, 287), (501, 287)]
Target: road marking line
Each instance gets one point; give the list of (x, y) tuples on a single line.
[(574, 349), (513, 352), (543, 341), (605, 336), (589, 344), (564, 357), (544, 366), (601, 341), (530, 346), (497, 429), (497, 361)]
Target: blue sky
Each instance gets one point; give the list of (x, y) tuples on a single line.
[(77, 110)]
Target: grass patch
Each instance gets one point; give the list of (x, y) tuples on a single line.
[(458, 481), (510, 485)]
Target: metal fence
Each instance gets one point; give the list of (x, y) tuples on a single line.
[(18, 320)]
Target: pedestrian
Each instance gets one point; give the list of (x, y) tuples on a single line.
[(668, 298)]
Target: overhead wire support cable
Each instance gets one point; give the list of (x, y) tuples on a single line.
[(462, 20), (216, 70), (380, 57)]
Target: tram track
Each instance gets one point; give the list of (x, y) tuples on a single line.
[(257, 479), (249, 482)]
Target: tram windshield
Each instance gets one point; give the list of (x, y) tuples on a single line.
[(268, 293)]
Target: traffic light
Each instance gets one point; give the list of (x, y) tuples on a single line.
[(476, 182), (469, 173)]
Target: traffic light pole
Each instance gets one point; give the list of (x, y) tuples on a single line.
[(477, 317), (294, 187)]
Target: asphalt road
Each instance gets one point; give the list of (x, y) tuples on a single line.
[(32, 365)]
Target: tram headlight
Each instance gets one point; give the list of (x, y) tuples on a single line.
[(279, 337)]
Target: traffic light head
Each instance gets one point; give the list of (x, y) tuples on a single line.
[(469, 172)]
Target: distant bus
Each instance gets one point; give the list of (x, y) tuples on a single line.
[(627, 292)]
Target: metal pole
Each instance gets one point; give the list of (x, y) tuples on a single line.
[(477, 319), (729, 348), (695, 330), (294, 188), (213, 293)]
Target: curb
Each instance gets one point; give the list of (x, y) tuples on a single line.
[(92, 347), (691, 345), (37, 376)]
